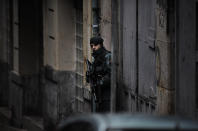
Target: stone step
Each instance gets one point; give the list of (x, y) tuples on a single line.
[(5, 115), (33, 123), (4, 127), (29, 123)]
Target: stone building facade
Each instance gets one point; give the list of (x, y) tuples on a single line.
[(43, 45)]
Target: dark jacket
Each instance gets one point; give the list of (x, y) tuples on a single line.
[(102, 69), (99, 78)]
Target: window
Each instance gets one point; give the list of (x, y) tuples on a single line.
[(79, 55)]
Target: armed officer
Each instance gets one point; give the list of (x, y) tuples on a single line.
[(99, 75)]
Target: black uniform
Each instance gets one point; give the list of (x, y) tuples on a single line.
[(101, 75)]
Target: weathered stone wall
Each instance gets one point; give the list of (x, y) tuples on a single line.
[(164, 56), (16, 99), (25, 97), (59, 34), (59, 95), (59, 76), (32, 95)]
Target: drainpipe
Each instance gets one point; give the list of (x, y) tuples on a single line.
[(95, 17)]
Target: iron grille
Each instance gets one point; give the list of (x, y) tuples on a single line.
[(79, 58)]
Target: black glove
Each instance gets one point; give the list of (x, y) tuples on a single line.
[(88, 76)]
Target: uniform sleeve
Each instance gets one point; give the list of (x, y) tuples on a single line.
[(107, 69), (108, 62)]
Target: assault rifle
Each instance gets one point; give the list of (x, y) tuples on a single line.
[(90, 78)]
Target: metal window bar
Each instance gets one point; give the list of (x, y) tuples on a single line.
[(79, 58)]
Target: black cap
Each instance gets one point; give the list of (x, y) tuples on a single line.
[(96, 40)]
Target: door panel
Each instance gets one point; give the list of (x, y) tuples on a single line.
[(129, 53), (129, 43), (146, 48), (138, 56)]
